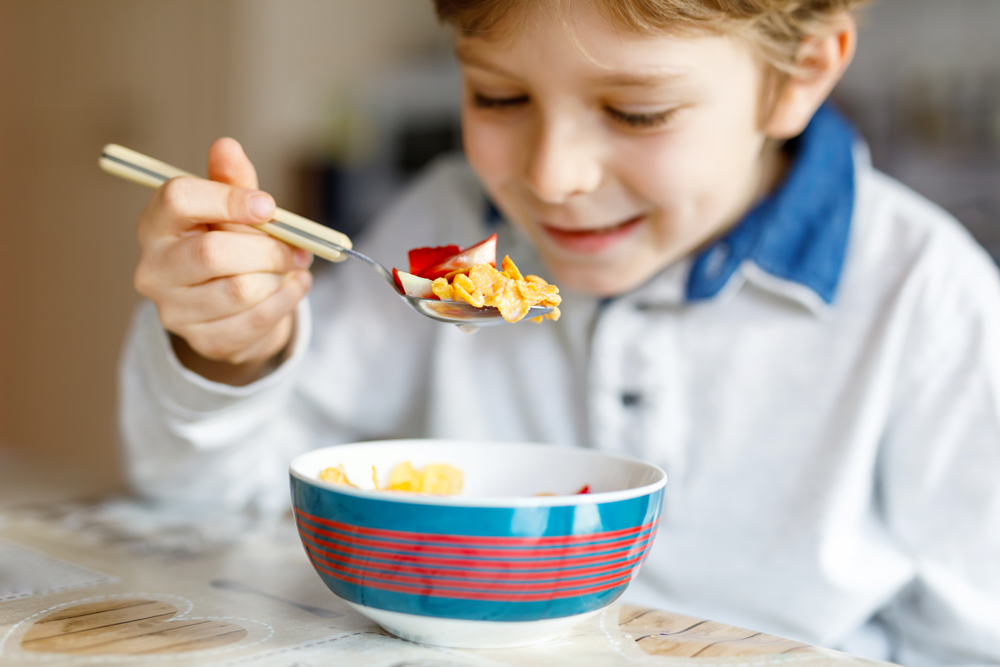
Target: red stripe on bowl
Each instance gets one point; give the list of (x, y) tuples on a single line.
[(411, 580), (485, 575), (509, 564), (472, 552), (468, 595), (477, 540)]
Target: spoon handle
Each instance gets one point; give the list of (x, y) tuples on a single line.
[(291, 228)]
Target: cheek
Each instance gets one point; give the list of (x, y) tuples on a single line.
[(693, 173), (664, 170), (490, 148)]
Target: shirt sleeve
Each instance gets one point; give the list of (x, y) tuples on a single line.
[(191, 439), (941, 472)]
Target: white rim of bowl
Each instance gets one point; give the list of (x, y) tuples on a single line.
[(499, 502)]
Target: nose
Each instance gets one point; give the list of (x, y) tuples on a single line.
[(564, 161)]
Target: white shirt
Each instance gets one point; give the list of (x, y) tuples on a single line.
[(834, 470)]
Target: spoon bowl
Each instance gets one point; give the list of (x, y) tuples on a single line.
[(464, 314)]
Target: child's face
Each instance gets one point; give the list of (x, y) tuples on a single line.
[(616, 153)]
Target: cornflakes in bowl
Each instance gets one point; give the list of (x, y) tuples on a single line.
[(434, 478)]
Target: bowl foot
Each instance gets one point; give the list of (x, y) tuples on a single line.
[(457, 633)]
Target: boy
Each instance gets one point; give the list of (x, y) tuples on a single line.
[(806, 347)]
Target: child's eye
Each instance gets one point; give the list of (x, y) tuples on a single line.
[(639, 120), (484, 102)]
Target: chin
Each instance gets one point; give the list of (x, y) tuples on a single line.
[(617, 270), (600, 282)]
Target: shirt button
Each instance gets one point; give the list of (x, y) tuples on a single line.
[(631, 399)]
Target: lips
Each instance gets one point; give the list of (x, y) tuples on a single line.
[(592, 241)]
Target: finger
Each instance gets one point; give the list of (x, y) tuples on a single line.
[(218, 299), (217, 254), (227, 163), (184, 204), (232, 338)]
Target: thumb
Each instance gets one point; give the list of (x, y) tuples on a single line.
[(227, 163)]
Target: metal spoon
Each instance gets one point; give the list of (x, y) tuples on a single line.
[(316, 238)]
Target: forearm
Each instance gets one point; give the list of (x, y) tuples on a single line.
[(188, 437)]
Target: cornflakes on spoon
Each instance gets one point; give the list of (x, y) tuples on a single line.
[(451, 273)]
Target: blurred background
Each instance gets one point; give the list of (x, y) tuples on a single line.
[(338, 102)]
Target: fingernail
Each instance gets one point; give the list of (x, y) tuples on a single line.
[(261, 206), (303, 258), (306, 279)]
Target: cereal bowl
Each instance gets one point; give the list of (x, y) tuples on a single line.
[(496, 566)]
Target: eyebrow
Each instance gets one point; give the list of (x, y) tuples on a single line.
[(650, 78), (647, 79), (467, 58)]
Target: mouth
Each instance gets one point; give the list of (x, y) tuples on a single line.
[(592, 241)]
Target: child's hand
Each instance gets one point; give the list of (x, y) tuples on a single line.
[(226, 291)]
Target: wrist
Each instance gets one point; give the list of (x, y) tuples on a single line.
[(236, 375)]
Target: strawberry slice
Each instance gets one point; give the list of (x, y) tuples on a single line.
[(421, 258), (585, 489), (484, 252)]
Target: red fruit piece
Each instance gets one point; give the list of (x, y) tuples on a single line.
[(585, 489), (421, 258), (484, 252)]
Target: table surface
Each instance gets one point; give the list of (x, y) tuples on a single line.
[(86, 580)]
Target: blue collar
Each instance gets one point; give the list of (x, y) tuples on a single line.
[(799, 233)]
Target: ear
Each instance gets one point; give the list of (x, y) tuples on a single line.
[(820, 63)]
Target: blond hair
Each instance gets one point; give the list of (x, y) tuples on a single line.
[(775, 28)]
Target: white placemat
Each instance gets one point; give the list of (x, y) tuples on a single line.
[(24, 573)]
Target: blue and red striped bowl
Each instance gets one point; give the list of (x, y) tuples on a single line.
[(496, 566)]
